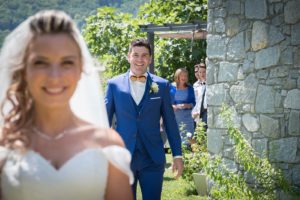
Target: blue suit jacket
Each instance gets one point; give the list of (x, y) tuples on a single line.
[(119, 101)]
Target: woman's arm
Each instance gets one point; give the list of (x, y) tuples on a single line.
[(118, 186)]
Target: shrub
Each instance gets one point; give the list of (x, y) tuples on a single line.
[(226, 183)]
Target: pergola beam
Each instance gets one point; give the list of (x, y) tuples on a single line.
[(195, 26)]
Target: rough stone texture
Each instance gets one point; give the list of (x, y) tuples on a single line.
[(269, 126), (216, 94), (215, 46), (240, 74), (245, 91), (278, 100), (274, 36), (214, 3), (273, 1), (265, 99), (256, 9), (286, 56), (260, 146), (291, 11), (236, 48), (262, 43), (286, 29), (219, 123), (259, 35), (283, 150), (296, 175), (250, 122), (294, 73), (292, 100), (262, 74), (228, 72), (233, 7), (215, 141), (295, 34), (294, 123), (221, 12), (275, 9), (281, 71), (210, 72), (290, 84), (220, 26), (232, 25), (247, 40), (267, 57), (248, 66)]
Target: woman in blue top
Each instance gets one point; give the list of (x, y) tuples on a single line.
[(183, 100)]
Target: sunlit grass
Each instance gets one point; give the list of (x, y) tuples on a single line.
[(174, 189)]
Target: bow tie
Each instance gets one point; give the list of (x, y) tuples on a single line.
[(138, 78), (202, 83)]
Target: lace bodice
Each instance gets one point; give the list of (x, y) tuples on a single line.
[(84, 176)]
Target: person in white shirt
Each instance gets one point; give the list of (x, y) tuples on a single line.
[(199, 112)]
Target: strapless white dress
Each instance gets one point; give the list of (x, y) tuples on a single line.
[(83, 177)]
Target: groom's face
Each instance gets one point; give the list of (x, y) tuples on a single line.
[(139, 59)]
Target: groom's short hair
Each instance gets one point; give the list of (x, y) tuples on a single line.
[(140, 42)]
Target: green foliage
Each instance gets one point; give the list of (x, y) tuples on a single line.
[(227, 183), (108, 34), (110, 43), (173, 11), (171, 54), (267, 178), (192, 160)]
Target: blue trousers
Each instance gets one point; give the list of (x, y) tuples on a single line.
[(204, 119), (148, 174)]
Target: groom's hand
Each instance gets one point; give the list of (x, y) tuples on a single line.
[(177, 167)]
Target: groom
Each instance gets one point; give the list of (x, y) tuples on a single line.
[(138, 99)]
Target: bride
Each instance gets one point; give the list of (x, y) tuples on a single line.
[(55, 140)]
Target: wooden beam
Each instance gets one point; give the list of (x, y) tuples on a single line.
[(195, 25), (183, 35)]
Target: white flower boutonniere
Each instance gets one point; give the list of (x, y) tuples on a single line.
[(154, 88)]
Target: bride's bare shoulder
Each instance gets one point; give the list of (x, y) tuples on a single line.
[(108, 136)]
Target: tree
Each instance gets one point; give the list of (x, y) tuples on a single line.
[(171, 54), (109, 33)]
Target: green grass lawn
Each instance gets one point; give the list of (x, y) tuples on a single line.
[(173, 189)]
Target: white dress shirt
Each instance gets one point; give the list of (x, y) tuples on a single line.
[(199, 88), (137, 88)]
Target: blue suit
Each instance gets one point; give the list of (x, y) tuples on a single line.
[(139, 127)]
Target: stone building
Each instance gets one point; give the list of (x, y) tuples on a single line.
[(253, 59)]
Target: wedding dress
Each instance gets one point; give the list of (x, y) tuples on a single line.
[(29, 176)]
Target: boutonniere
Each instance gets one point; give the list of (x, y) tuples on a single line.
[(154, 88)]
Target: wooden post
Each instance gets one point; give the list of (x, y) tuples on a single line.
[(150, 36)]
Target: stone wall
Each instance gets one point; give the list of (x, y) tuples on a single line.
[(253, 59)]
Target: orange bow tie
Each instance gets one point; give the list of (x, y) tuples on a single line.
[(140, 78)]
